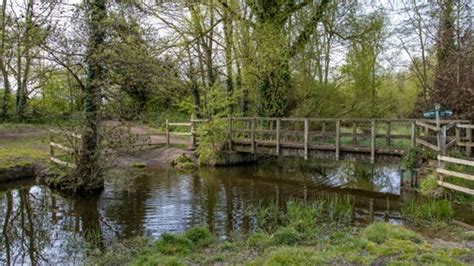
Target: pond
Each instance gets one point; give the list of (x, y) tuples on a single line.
[(42, 226)]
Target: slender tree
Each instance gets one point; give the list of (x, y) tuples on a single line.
[(88, 172)]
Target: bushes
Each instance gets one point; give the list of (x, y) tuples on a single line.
[(211, 140)]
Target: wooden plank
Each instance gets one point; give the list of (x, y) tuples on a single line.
[(278, 137), (469, 139), (458, 135), (465, 126), (451, 144), (450, 125), (455, 174), (180, 124), (413, 134), (427, 144), (456, 187), (456, 160), (306, 128), (338, 138), (61, 147), (67, 133), (63, 163), (180, 133), (427, 126)]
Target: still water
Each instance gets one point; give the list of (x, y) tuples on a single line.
[(41, 226)]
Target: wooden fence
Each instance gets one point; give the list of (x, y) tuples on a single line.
[(443, 172), (69, 139)]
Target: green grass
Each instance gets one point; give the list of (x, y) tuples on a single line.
[(23, 151), (430, 211), (308, 234), (379, 243)]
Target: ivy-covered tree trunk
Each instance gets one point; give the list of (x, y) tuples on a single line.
[(3, 68), (89, 172)]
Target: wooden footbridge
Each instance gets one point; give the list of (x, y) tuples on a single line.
[(344, 138), (337, 138)]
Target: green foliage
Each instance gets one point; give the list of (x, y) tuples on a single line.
[(285, 236), (212, 136), (258, 240), (410, 159), (171, 244), (200, 236), (431, 211), (429, 186)]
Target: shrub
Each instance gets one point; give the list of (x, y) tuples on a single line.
[(211, 140), (200, 236), (410, 159)]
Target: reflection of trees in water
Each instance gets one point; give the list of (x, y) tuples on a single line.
[(24, 235)]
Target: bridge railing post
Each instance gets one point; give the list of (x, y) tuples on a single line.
[(389, 134), (306, 129), (167, 133), (252, 134), (413, 134), (278, 136), (469, 141), (338, 138)]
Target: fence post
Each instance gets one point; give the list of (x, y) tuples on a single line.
[(306, 129), (443, 140), (372, 142), (338, 138), (413, 134), (469, 141), (167, 133), (354, 132), (278, 136), (458, 135), (252, 135), (389, 134)]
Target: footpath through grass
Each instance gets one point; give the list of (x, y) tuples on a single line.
[(316, 233)]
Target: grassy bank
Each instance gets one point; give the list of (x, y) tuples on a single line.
[(22, 144), (299, 234)]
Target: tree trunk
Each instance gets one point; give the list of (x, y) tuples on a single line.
[(3, 69), (89, 171)]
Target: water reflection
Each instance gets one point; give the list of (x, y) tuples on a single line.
[(41, 227)]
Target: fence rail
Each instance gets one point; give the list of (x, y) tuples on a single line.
[(442, 172), (55, 145)]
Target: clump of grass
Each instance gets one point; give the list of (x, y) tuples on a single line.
[(258, 240), (171, 244), (286, 236), (304, 217), (429, 187), (200, 236), (380, 232), (429, 211)]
